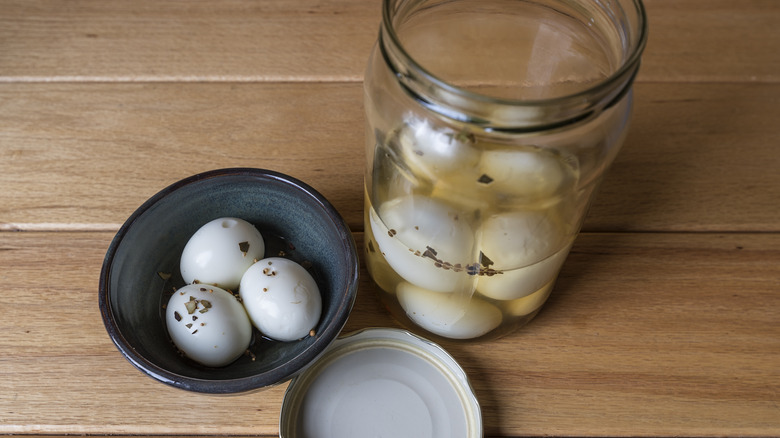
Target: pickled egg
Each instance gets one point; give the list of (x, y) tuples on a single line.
[(528, 304), (422, 239), (450, 315), (464, 191), (281, 298), (208, 324), (527, 247), (530, 173), (220, 252), (432, 151)]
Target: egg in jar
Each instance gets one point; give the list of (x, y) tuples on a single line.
[(282, 299), (220, 252), (424, 240), (435, 152), (530, 303), (528, 174), (208, 324), (528, 248), (450, 315)]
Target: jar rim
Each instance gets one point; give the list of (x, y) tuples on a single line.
[(510, 113)]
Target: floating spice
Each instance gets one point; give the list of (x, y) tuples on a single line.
[(430, 253), (481, 268), (485, 179), (164, 275), (484, 260)]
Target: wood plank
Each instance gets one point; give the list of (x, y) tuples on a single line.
[(645, 334), (699, 157), (152, 40), (712, 41), (100, 150), (149, 40)]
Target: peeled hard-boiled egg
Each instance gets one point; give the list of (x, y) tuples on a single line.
[(416, 234), (221, 251), (464, 191), (450, 315), (530, 173), (208, 324), (281, 298), (527, 247), (431, 151), (528, 304)]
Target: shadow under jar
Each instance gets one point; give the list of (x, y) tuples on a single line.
[(489, 125)]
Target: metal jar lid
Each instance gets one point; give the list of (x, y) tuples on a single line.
[(381, 382)]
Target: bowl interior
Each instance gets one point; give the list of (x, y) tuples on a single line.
[(142, 269)]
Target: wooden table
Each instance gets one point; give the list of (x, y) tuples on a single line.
[(666, 317)]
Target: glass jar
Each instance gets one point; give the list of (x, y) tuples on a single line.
[(489, 125)]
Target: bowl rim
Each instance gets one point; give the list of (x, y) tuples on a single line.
[(276, 375)]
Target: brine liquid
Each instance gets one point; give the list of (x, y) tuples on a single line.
[(465, 237)]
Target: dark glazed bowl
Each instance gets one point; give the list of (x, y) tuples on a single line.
[(141, 269)]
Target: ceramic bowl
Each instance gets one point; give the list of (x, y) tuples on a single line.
[(141, 270)]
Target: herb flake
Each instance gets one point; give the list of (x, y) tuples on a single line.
[(243, 247), (485, 179)]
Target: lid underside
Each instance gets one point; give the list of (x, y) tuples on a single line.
[(381, 382)]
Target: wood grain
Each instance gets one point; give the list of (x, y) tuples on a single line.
[(665, 320), (92, 153), (152, 40), (278, 40), (712, 41), (699, 157), (645, 334)]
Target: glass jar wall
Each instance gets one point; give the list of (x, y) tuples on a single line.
[(489, 125)]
